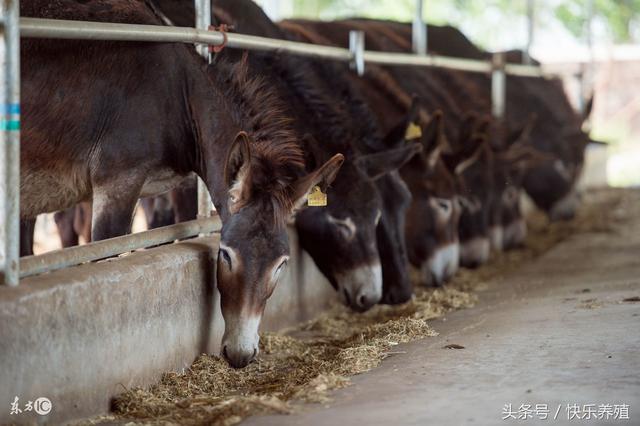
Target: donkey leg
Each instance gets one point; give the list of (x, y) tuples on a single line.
[(64, 221), (27, 228), (82, 223), (113, 207)]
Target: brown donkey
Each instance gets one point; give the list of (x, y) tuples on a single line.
[(113, 121), (432, 216), (352, 240)]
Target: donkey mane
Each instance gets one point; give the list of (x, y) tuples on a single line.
[(277, 157), (119, 11), (343, 126)]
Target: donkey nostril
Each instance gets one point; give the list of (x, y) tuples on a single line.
[(365, 301), (224, 352), (346, 296), (362, 300), (255, 352)]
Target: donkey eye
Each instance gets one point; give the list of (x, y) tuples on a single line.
[(378, 216), (224, 255), (344, 230), (278, 271), (345, 227), (444, 205), (511, 194)]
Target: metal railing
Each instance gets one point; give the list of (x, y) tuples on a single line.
[(65, 29), (61, 29), (32, 265), (10, 139)]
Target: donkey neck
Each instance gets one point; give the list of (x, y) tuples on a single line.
[(214, 128), (225, 100)]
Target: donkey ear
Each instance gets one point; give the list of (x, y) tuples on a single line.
[(521, 135), (482, 126), (322, 177), (380, 163), (469, 123), (480, 155), (237, 170), (588, 108), (433, 132), (522, 157), (433, 139), (407, 129), (414, 109)]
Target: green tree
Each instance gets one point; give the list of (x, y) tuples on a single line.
[(621, 16)]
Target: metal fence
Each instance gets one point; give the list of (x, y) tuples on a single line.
[(14, 27)]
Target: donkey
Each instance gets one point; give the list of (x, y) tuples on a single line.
[(132, 119), (511, 161), (178, 205), (341, 238), (558, 131), (473, 173), (431, 221)]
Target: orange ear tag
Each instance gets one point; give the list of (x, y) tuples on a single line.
[(317, 198)]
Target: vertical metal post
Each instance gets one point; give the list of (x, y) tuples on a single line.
[(10, 138), (203, 21), (356, 47), (587, 68), (526, 57), (419, 31), (581, 103), (498, 86)]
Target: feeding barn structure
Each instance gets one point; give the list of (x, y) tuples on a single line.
[(377, 216)]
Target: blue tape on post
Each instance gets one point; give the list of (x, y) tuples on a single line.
[(10, 109), (9, 125), (11, 120)]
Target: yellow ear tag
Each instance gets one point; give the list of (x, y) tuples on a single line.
[(317, 198), (413, 132)]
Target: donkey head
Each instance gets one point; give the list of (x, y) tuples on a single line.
[(432, 219), (552, 185), (341, 237), (396, 198), (514, 158), (254, 247), (472, 165)]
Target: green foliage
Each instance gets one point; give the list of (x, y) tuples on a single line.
[(622, 17)]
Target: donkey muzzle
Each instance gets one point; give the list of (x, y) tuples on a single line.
[(361, 287), (240, 341)]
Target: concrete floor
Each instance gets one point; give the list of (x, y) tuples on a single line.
[(556, 332)]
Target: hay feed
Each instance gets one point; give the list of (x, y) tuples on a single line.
[(305, 363)]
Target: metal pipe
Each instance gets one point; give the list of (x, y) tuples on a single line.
[(587, 71), (84, 30), (203, 22), (419, 31), (52, 28), (408, 59), (356, 47), (10, 130), (526, 57), (32, 265), (498, 86)]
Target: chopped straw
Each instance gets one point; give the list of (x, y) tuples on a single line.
[(303, 364)]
